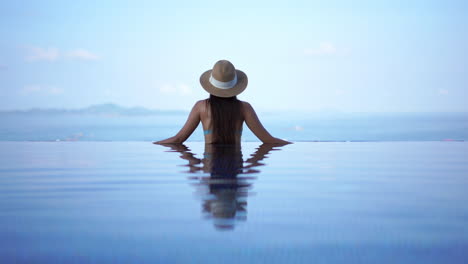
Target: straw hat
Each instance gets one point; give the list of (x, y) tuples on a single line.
[(224, 80)]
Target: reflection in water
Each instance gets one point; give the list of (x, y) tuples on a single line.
[(224, 190)]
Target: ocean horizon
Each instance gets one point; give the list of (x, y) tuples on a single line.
[(110, 122), (371, 94)]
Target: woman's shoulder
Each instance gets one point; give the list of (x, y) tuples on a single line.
[(200, 106), (246, 106)]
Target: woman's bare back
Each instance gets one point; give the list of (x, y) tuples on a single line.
[(201, 112)]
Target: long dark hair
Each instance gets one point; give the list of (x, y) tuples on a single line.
[(226, 116)]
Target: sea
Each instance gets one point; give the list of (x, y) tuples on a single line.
[(291, 126), (354, 188)]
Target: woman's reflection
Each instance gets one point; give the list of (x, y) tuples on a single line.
[(225, 190)]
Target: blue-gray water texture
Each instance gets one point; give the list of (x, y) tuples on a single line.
[(309, 202)]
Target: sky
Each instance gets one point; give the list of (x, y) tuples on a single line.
[(346, 56)]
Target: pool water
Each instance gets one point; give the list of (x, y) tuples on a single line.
[(309, 202)]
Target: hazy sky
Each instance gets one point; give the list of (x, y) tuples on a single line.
[(299, 55)]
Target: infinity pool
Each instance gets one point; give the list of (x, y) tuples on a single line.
[(326, 202)]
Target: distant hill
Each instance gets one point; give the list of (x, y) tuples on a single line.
[(108, 109)]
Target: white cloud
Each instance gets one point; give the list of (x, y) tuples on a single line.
[(340, 92), (443, 91), (54, 90), (298, 128), (30, 89), (185, 89), (324, 48), (180, 89), (81, 54), (40, 89), (166, 89), (38, 54), (54, 54)]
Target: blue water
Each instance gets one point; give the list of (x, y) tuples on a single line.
[(326, 202), (291, 126)]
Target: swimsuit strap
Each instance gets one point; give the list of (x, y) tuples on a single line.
[(209, 131)]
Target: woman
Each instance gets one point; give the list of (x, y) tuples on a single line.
[(222, 115)]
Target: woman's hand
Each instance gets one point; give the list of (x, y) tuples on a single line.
[(171, 140), (280, 142), (254, 124)]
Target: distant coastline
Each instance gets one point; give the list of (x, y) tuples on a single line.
[(107, 109), (112, 122), (113, 109)]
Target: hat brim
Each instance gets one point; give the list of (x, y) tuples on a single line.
[(240, 86)]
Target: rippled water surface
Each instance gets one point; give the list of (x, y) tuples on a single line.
[(328, 202)]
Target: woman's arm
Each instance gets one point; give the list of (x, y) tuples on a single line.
[(256, 126), (192, 122)]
